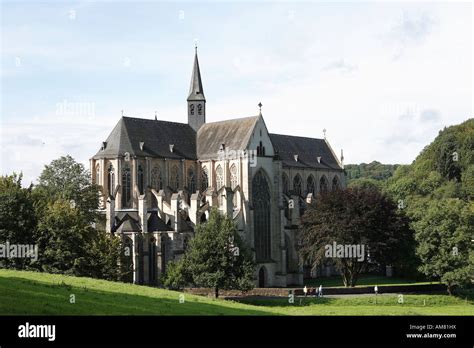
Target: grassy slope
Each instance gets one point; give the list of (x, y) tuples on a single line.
[(29, 293)]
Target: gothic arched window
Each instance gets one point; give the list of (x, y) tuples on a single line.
[(141, 179), (156, 181), (260, 149), (174, 178), (97, 174), (191, 181), (323, 184), (262, 227), (233, 177), (285, 183), (204, 179), (191, 109), (219, 177), (335, 183), (297, 187), (126, 187), (199, 109), (111, 179), (310, 185)]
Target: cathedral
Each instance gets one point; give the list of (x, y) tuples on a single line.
[(159, 179)]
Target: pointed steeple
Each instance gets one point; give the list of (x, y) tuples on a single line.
[(196, 92), (196, 99)]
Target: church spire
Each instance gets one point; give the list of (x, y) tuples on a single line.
[(196, 92), (196, 99)]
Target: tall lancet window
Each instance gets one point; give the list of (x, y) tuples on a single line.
[(285, 184), (204, 179), (97, 175), (297, 189), (233, 177), (191, 109), (111, 179), (335, 183), (199, 109), (234, 181), (310, 185), (191, 181), (126, 187), (174, 178), (156, 179), (141, 179), (262, 225), (323, 184), (219, 177)]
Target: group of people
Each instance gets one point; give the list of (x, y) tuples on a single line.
[(316, 292)]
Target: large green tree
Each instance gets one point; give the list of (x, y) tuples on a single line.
[(17, 217), (444, 233), (70, 234), (216, 258), (64, 178), (355, 216)]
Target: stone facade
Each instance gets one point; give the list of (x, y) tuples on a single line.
[(160, 179)]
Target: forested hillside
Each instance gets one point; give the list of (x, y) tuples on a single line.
[(373, 170), (444, 169), (436, 191)]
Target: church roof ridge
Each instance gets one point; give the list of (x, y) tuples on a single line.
[(153, 120), (233, 119), (307, 149), (295, 136)]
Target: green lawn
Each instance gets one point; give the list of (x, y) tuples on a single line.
[(364, 280), (30, 293)]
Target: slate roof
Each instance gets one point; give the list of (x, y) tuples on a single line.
[(205, 144), (127, 224), (155, 224), (235, 134), (156, 135), (307, 149)]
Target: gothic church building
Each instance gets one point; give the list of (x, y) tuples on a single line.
[(159, 179)]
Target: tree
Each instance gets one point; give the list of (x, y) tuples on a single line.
[(17, 217), (176, 276), (354, 217), (446, 152), (66, 179), (367, 183), (444, 242), (216, 257), (65, 239)]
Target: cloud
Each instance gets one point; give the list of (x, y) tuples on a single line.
[(430, 115), (411, 29), (340, 65)]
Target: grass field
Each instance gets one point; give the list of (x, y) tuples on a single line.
[(30, 293)]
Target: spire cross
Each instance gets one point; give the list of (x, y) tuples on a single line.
[(122, 112), (156, 115), (260, 107), (324, 131)]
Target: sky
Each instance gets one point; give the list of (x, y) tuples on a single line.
[(381, 77)]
